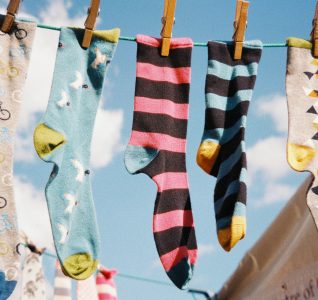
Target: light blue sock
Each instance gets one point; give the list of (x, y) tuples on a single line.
[(64, 138)]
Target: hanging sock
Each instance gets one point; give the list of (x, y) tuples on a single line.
[(228, 91), (62, 284), (302, 96), (105, 284), (157, 148), (86, 289), (33, 281), (15, 51), (64, 138)]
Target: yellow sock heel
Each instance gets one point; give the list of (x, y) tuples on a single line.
[(299, 156), (207, 155), (46, 140)]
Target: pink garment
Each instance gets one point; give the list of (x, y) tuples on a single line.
[(106, 287)]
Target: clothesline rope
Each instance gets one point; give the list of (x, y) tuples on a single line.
[(196, 44), (48, 254), (127, 276)]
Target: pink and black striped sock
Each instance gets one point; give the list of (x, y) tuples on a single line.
[(157, 148)]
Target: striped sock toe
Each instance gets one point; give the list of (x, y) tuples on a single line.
[(181, 273)]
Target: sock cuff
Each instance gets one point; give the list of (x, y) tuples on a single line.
[(156, 42), (111, 35), (222, 51), (299, 43)]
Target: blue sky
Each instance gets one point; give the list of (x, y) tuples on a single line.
[(124, 203)]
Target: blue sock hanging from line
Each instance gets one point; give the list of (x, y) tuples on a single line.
[(64, 138)]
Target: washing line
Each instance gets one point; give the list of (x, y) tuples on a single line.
[(133, 277), (132, 39), (127, 276)]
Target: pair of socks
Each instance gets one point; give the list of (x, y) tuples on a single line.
[(64, 138), (158, 142), (302, 97), (15, 51)]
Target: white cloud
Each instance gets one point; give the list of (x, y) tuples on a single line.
[(106, 137), (267, 157), (57, 14), (275, 107), (275, 192), (206, 249), (32, 213), (267, 166)]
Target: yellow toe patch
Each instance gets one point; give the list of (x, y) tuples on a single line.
[(80, 266), (299, 156), (207, 155), (228, 237), (46, 140)]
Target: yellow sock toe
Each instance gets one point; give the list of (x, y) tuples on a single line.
[(207, 155), (79, 266), (229, 236)]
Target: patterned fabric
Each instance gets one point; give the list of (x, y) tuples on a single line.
[(105, 284), (33, 281), (86, 289), (62, 285), (64, 138), (228, 88), (302, 96), (157, 148), (15, 51)]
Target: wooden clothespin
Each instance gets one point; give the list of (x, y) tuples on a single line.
[(90, 23), (240, 24), (35, 249), (167, 25), (12, 9), (314, 33)]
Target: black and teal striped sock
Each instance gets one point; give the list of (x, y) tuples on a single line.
[(229, 88)]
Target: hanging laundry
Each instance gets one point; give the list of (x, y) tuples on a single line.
[(105, 284), (86, 289), (15, 51), (64, 138), (33, 281), (157, 148), (62, 284), (228, 91), (302, 96)]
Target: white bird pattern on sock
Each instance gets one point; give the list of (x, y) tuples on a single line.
[(71, 202), (100, 58), (64, 100), (80, 170), (63, 232), (78, 83)]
